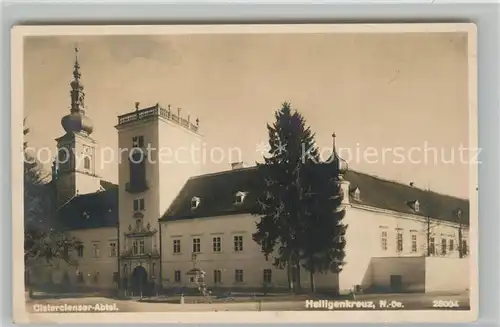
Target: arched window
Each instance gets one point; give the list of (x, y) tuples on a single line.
[(86, 163)]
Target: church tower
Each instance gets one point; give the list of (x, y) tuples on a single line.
[(341, 167), (74, 170)]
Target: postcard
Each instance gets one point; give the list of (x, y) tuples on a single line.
[(245, 173)]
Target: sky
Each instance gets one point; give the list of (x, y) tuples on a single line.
[(388, 97)]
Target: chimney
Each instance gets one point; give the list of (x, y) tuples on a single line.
[(237, 165)]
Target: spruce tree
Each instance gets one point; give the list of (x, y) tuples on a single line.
[(323, 232), (280, 200)]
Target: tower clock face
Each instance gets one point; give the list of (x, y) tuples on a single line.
[(63, 156)]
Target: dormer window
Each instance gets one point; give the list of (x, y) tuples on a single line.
[(240, 197), (416, 206), (195, 202)]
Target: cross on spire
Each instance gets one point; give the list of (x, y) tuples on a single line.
[(76, 71), (77, 94)]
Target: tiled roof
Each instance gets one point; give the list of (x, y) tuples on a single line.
[(217, 193), (389, 195), (92, 210)]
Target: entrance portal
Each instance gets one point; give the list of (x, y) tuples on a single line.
[(139, 281)]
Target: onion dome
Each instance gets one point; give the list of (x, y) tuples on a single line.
[(76, 121), (339, 163)]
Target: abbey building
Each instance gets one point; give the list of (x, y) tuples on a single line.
[(165, 218)]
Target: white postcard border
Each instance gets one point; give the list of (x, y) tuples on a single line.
[(22, 316)]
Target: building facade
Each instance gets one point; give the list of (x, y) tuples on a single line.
[(151, 174), (165, 218), (209, 226)]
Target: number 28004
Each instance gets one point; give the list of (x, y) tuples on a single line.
[(445, 304)]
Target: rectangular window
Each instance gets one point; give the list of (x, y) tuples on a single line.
[(267, 275), (135, 247), (79, 250), (196, 245), (112, 249), (414, 245), (432, 246), (138, 247), (465, 249), (139, 204), (177, 246), (141, 247), (153, 270), (96, 252), (452, 245), (177, 276), (137, 173), (86, 163), (138, 141), (238, 276), (217, 276), (399, 242), (238, 243), (383, 240), (216, 244), (443, 246)]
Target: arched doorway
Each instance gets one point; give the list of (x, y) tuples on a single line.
[(139, 281)]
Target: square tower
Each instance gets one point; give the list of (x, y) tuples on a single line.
[(158, 152), (75, 171)]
